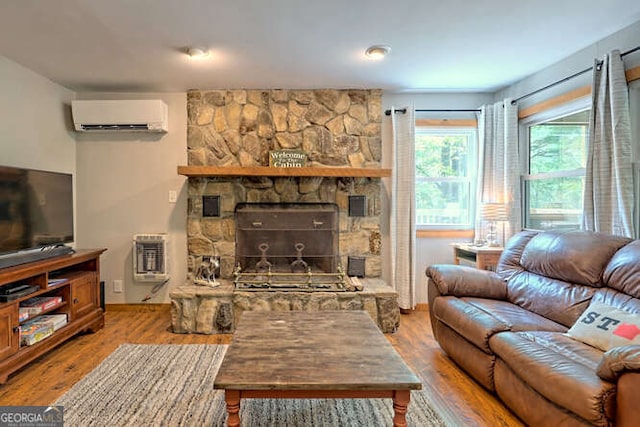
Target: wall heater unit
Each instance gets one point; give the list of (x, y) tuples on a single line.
[(150, 257)]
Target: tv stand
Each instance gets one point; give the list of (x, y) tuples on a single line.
[(73, 280), (23, 257)]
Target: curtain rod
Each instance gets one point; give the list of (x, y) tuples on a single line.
[(404, 110), (579, 73)]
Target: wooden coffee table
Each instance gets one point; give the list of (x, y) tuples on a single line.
[(327, 354)]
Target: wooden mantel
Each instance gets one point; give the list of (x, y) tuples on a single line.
[(211, 171)]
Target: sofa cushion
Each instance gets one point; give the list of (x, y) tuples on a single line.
[(616, 299), (509, 263), (624, 269), (517, 318), (554, 299), (477, 319), (472, 323), (571, 256), (559, 368), (604, 327)]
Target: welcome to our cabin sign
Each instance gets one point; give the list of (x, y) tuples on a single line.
[(287, 158)]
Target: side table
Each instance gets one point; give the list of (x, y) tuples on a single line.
[(482, 257)]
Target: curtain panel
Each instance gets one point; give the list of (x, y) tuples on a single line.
[(499, 166), (608, 192), (402, 221)]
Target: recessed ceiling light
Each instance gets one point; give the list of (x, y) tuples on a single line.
[(197, 52), (377, 51)]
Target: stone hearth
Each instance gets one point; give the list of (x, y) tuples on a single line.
[(199, 309)]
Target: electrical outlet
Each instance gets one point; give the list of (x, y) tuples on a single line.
[(118, 287), (173, 196)]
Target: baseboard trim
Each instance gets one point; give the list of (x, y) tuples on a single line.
[(139, 307)]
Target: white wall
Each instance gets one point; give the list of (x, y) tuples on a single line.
[(428, 250), (123, 189), (35, 123), (623, 40)]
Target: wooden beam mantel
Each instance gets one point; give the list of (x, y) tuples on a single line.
[(212, 171)]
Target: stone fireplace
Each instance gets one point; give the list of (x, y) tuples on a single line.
[(234, 130)]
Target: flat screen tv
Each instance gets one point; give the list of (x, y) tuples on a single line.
[(36, 209)]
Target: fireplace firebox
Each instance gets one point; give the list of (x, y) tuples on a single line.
[(288, 245), (287, 237)]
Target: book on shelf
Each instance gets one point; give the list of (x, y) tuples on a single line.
[(23, 314), (53, 282), (36, 305), (32, 331), (57, 320), (41, 327)]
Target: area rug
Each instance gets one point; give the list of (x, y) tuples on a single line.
[(172, 385)]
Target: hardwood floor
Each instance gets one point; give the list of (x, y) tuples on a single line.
[(460, 400)]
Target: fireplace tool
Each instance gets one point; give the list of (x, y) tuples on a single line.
[(263, 264), (303, 281), (299, 265)]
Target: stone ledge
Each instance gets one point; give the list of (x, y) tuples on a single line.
[(198, 309), (191, 291)]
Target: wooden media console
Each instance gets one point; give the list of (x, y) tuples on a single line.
[(73, 281)]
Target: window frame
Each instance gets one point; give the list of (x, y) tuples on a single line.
[(573, 107), (451, 126)]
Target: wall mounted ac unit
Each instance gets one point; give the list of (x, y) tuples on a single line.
[(150, 257), (145, 115)]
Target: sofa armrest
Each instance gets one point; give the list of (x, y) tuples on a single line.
[(619, 360), (463, 281)]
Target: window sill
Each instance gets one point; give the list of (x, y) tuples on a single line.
[(443, 234)]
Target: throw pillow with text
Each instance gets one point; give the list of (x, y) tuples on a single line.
[(604, 327)]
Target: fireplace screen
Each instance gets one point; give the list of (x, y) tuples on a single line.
[(287, 238), (288, 245)]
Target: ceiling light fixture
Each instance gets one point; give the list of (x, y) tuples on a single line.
[(377, 51), (197, 52)]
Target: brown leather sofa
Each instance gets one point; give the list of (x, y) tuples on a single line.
[(508, 329)]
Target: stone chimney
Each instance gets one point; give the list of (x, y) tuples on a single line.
[(335, 128)]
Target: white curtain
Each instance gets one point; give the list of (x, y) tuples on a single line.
[(608, 192), (499, 166), (402, 222)]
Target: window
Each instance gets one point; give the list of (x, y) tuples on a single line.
[(445, 171), (553, 184)]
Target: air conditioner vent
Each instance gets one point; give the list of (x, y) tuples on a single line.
[(106, 128), (126, 115)]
